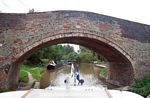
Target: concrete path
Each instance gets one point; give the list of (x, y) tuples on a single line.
[(33, 82), (31, 79)]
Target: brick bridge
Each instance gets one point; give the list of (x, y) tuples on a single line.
[(124, 44)]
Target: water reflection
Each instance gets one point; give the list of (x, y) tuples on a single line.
[(87, 72)]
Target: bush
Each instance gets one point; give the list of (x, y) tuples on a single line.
[(36, 73), (142, 87), (23, 76)]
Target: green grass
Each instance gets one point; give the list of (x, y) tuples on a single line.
[(104, 72), (142, 87), (23, 76), (35, 71), (26, 68)]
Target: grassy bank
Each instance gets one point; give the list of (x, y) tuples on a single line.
[(142, 87), (23, 76), (35, 71)]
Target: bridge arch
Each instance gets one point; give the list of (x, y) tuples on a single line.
[(120, 64), (124, 44)]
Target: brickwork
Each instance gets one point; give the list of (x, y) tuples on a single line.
[(119, 41), (3, 77)]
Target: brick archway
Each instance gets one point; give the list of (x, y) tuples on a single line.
[(123, 43), (121, 69)]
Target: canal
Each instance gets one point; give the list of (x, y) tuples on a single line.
[(88, 73)]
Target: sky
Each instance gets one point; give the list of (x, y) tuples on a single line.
[(133, 10)]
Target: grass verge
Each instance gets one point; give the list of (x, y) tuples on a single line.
[(35, 71), (23, 76), (142, 87)]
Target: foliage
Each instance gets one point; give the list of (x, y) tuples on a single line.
[(23, 76), (104, 72), (31, 10), (70, 56), (45, 61), (35, 71), (55, 52), (142, 87), (67, 49), (61, 52), (86, 55), (33, 60)]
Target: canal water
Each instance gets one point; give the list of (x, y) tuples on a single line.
[(87, 72)]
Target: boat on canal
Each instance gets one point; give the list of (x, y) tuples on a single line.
[(72, 89)]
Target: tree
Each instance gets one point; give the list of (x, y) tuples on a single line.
[(31, 10), (55, 52), (63, 52), (67, 49), (86, 55)]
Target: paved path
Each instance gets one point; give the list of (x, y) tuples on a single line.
[(31, 79), (33, 82)]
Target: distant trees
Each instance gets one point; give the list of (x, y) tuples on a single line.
[(63, 52), (31, 10), (55, 52), (86, 55), (69, 53)]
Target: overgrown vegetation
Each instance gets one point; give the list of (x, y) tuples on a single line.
[(87, 56), (142, 87), (35, 71), (62, 52), (23, 76), (104, 72)]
